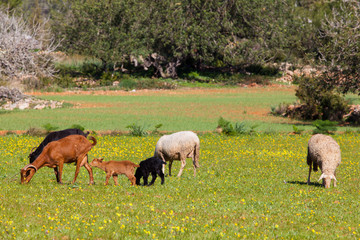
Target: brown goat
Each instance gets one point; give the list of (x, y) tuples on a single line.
[(114, 168), (73, 148)]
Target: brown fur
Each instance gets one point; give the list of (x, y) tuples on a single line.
[(73, 148), (115, 168)]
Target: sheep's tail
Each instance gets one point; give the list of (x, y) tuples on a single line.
[(93, 140)]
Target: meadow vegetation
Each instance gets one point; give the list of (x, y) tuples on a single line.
[(248, 186)]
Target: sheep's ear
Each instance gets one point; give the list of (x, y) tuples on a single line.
[(322, 176), (101, 159)]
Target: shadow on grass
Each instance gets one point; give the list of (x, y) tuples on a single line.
[(316, 184)]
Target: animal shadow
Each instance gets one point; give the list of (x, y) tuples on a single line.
[(316, 184)]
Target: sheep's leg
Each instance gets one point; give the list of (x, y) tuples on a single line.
[(194, 164), (183, 163), (162, 176), (145, 176), (138, 175), (115, 177), (170, 164), (335, 178), (308, 181), (153, 174), (163, 166)]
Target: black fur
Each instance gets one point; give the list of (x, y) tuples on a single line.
[(151, 165)]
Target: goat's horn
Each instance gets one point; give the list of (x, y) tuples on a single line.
[(30, 166), (33, 149)]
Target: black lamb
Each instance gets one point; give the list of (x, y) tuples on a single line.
[(151, 165)]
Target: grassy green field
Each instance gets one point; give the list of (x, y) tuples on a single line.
[(189, 109), (249, 186), (183, 109)]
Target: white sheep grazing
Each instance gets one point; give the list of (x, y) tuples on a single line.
[(179, 146), (323, 151)]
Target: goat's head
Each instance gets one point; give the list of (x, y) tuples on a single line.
[(27, 172), (96, 162)]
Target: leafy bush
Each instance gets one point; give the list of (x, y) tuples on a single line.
[(78, 126), (297, 130), (262, 70), (280, 110), (35, 132), (49, 127), (228, 128), (137, 130), (324, 127), (156, 130), (320, 101)]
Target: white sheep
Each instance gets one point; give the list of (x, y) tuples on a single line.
[(179, 146), (323, 151)]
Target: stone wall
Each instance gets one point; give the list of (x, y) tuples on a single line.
[(11, 99)]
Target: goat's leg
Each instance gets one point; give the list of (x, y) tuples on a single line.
[(61, 165), (81, 161), (77, 170), (132, 178), (308, 181), (108, 176), (115, 177), (56, 171), (91, 175), (183, 163), (153, 174)]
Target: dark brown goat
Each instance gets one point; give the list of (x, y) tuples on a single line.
[(73, 148)]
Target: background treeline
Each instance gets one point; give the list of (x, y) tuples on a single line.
[(172, 39), (166, 36)]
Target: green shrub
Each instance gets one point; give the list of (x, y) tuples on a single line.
[(324, 126), (280, 110), (297, 130), (128, 84), (77, 126), (137, 130), (262, 70), (35, 132), (49, 127), (320, 101), (156, 130), (228, 128)]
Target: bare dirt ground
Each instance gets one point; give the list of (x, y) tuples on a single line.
[(181, 91)]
